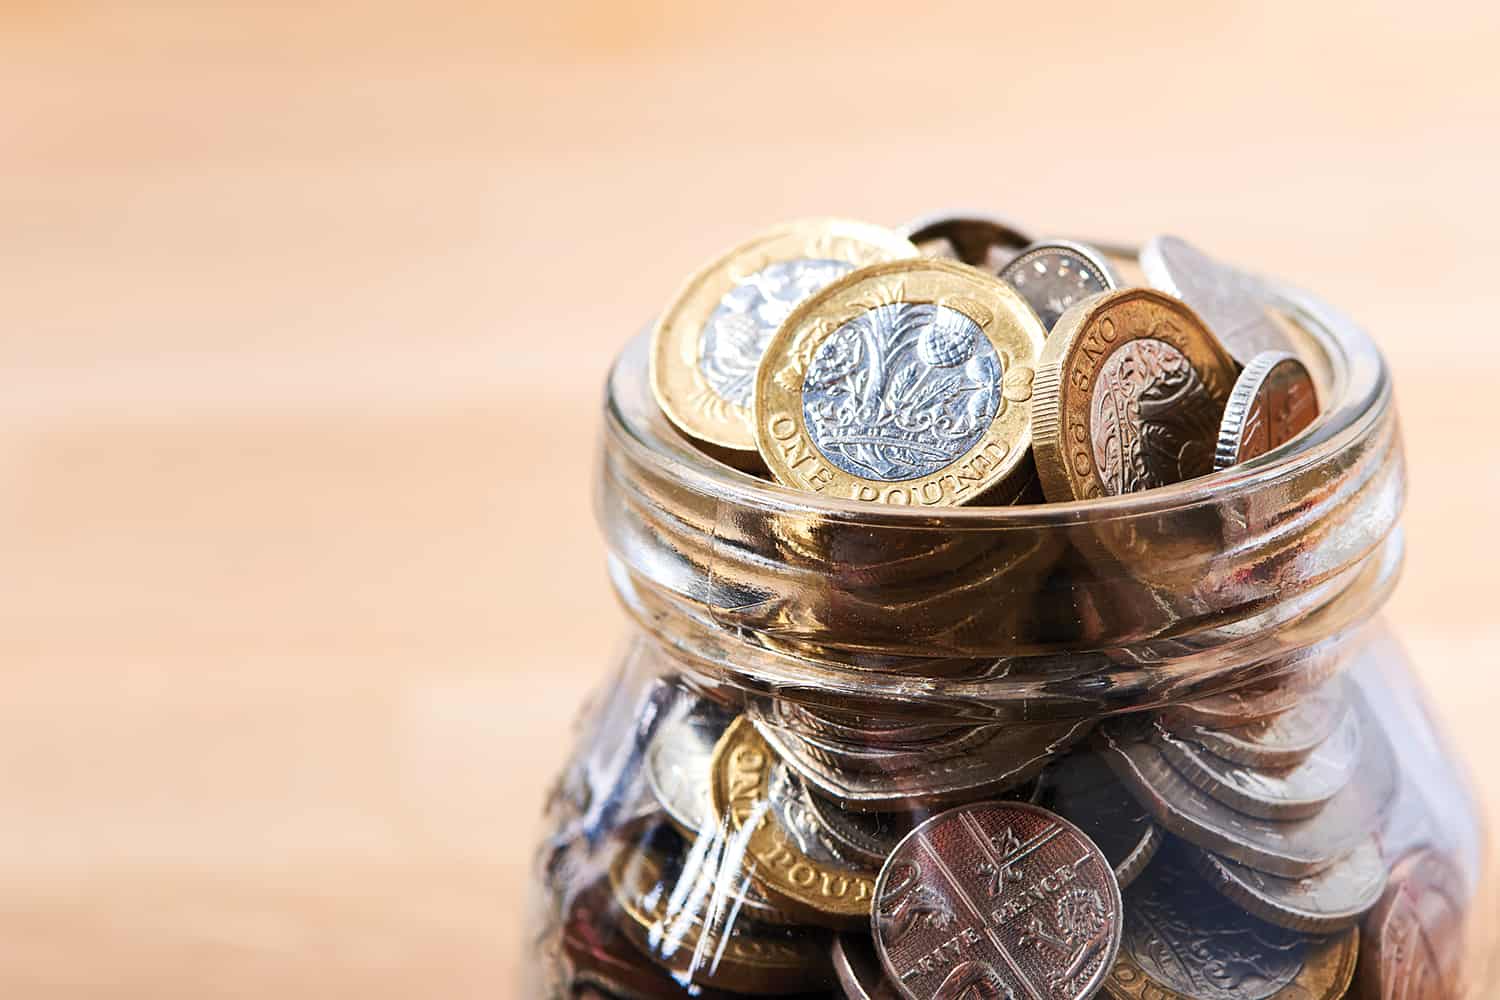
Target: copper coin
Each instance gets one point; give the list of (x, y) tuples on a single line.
[(1082, 790), (1331, 900), (1273, 401), (997, 899), (977, 239), (858, 969), (1183, 941), (1414, 937), (1280, 741)]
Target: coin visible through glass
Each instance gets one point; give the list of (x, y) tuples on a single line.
[(1055, 275), (1414, 937), (1331, 900), (997, 899), (1083, 791), (1273, 401), (1280, 741)]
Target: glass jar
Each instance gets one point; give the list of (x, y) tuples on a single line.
[(1193, 678)]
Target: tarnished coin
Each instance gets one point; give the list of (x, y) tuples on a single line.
[(1055, 275), (1082, 790), (907, 383), (1290, 848), (677, 760), (1273, 401), (1183, 941), (1331, 900), (1129, 392), (821, 892), (997, 899), (1287, 793), (858, 969), (980, 240), (667, 915), (1010, 755), (709, 341), (1232, 302), (1414, 938), (1280, 741)]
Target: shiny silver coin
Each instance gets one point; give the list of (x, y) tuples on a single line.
[(985, 241), (1280, 741), (856, 756), (791, 804), (1329, 901), (1273, 401), (1231, 302), (1287, 793), (677, 761), (858, 969), (1082, 790), (1010, 755), (1054, 274), (1290, 848)]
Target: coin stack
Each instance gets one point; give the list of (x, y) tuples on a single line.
[(1231, 847)]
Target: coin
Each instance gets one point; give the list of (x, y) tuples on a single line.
[(677, 762), (858, 969), (1255, 703), (881, 757), (1232, 302), (979, 240), (1287, 793), (907, 383), (1183, 941), (602, 958), (707, 344), (1413, 947), (668, 915), (1273, 401), (1331, 900), (791, 805), (1280, 741), (1055, 275), (1082, 790), (1290, 848), (1129, 392), (997, 898), (867, 837), (851, 727), (822, 892), (1010, 755)]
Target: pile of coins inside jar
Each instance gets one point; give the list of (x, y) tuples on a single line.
[(1251, 845)]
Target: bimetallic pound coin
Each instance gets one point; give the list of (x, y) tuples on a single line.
[(858, 969), (905, 383), (665, 914), (1231, 302), (1287, 793), (1414, 938), (1129, 392), (1273, 401), (1331, 900), (1082, 790), (1289, 848), (976, 239), (708, 343), (997, 899), (1055, 275), (822, 892), (677, 762), (1281, 741), (1183, 941)]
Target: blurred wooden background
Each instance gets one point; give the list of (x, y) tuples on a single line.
[(304, 310)]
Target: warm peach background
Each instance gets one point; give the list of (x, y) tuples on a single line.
[(304, 310)]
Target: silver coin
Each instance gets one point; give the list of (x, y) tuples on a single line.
[(1329, 901), (868, 837), (791, 805), (858, 969), (1082, 790), (1272, 401), (677, 761), (1288, 793), (1231, 302), (1290, 848), (1010, 755), (942, 377), (1280, 741), (1054, 274)]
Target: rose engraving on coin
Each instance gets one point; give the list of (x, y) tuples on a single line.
[(1129, 391), (997, 899), (1183, 941), (1055, 275), (901, 391), (1415, 936), (1273, 401)]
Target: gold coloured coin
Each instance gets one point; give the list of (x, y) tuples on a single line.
[(709, 341), (907, 382), (1129, 393), (826, 893)]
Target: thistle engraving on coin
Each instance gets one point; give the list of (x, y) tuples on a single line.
[(901, 391)]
